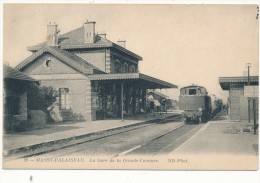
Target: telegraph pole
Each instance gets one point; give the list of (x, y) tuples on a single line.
[(248, 73), (248, 65)]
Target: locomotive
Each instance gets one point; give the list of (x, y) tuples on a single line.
[(195, 103)]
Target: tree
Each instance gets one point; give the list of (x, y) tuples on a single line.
[(218, 104), (40, 97)]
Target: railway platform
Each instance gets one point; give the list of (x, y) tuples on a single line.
[(221, 144), (222, 136), (65, 131)]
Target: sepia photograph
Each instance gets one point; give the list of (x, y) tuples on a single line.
[(130, 86)]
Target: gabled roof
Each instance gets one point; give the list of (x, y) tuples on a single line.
[(75, 40), (10, 73), (68, 58), (225, 82)]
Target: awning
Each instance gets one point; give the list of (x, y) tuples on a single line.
[(142, 79), (158, 94), (10, 73), (225, 82)]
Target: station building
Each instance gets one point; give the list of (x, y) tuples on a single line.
[(238, 98), (95, 77)]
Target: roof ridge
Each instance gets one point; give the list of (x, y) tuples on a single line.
[(74, 39), (104, 39)]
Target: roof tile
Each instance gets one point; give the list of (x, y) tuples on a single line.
[(75, 40), (10, 73)]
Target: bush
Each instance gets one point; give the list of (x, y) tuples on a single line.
[(41, 97), (68, 115), (21, 126)]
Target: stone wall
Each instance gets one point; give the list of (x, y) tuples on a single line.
[(55, 66), (96, 58), (37, 119), (235, 92), (23, 106), (77, 93), (90, 115), (108, 61)]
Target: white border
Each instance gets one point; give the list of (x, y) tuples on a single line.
[(93, 176), (138, 1)]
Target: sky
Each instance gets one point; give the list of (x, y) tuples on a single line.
[(180, 44)]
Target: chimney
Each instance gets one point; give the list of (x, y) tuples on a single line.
[(52, 34), (89, 32), (121, 43)]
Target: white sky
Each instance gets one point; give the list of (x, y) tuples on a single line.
[(181, 44)]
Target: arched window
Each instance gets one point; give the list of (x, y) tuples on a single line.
[(132, 68), (117, 66), (125, 67)]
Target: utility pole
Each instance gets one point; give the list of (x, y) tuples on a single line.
[(248, 84), (248, 65)]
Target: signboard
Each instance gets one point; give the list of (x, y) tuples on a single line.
[(251, 91)]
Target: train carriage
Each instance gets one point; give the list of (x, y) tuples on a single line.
[(195, 103)]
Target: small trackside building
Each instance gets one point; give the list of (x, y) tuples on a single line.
[(237, 101)]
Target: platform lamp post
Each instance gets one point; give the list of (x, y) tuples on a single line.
[(248, 65)]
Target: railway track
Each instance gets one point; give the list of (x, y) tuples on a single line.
[(144, 139), (167, 142)]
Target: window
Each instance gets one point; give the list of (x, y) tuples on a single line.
[(183, 91), (117, 66), (132, 69), (203, 91), (64, 98), (125, 67), (48, 64), (192, 91)]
